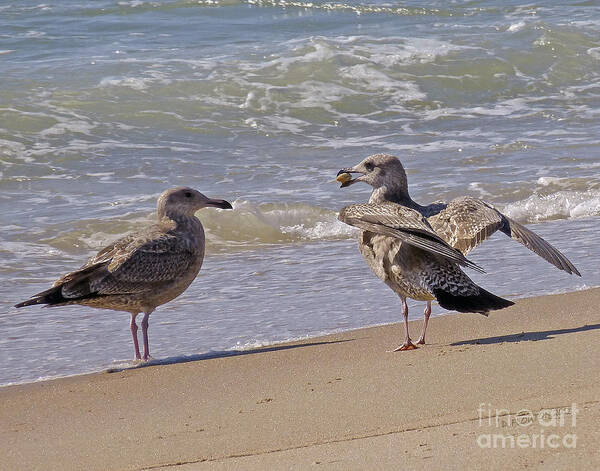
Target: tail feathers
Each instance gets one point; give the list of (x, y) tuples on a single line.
[(481, 303), (50, 297)]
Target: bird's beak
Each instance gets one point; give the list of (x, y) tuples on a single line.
[(344, 176), (218, 204)]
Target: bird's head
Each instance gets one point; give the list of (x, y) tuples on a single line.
[(379, 171), (186, 201)]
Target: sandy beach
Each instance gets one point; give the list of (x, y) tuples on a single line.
[(516, 390)]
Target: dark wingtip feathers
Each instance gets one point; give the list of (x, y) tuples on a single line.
[(473, 265), (538, 245), (29, 302)]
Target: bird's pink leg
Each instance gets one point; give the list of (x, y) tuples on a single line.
[(426, 315), (134, 328), (407, 345), (146, 356)]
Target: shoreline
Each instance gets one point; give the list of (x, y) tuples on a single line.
[(340, 399), (126, 364)]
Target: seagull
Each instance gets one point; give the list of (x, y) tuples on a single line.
[(396, 236), (143, 270)]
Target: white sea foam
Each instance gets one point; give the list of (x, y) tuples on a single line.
[(350, 69), (395, 51), (44, 378), (565, 204), (375, 80), (131, 82), (286, 124), (594, 52), (68, 126), (321, 230), (14, 149), (319, 95), (35, 34), (151, 76), (247, 227), (287, 223), (357, 9), (386, 52), (268, 224), (518, 26), (545, 181), (133, 3)]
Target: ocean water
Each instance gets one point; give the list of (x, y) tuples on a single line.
[(105, 104)]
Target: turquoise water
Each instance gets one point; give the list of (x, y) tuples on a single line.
[(105, 104)]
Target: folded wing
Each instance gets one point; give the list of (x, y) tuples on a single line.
[(131, 265)]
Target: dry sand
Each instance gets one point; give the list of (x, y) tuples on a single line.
[(337, 402)]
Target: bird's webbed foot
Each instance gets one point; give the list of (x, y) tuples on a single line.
[(407, 345)]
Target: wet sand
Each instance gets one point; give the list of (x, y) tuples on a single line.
[(529, 372)]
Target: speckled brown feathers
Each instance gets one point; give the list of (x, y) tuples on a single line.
[(466, 222), (143, 270), (402, 250), (415, 249), (463, 223), (401, 223), (136, 273)]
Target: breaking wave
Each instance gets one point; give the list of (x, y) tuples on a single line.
[(251, 226), (565, 204)]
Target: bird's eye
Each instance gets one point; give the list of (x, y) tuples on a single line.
[(188, 194), (369, 166)]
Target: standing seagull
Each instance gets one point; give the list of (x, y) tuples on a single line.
[(412, 270), (141, 271)]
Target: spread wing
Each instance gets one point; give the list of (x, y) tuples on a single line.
[(401, 223), (466, 222)]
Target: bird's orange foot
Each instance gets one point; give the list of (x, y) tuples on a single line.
[(421, 341), (406, 346)]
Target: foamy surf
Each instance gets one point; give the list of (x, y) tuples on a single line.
[(253, 225), (559, 205), (270, 223)]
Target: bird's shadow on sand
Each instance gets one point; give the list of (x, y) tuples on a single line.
[(526, 336), (131, 364)]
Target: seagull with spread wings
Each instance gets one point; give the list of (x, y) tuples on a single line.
[(418, 250)]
